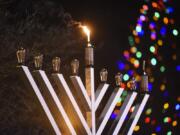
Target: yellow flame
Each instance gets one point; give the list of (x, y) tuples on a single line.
[(87, 32)]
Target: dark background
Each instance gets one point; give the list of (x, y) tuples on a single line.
[(110, 27)]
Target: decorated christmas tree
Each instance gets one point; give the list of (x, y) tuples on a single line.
[(154, 33)]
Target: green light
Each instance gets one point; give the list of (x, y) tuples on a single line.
[(126, 77), (152, 49), (175, 32), (169, 133), (124, 93), (138, 54), (162, 68), (153, 61), (156, 14), (131, 40)]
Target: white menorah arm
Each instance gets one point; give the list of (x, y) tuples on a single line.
[(75, 110), (136, 114), (118, 122), (100, 92), (45, 107), (108, 109), (54, 103), (81, 92)]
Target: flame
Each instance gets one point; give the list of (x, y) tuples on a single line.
[(87, 32)]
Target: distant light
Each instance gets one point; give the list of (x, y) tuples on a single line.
[(158, 128), (177, 107), (148, 111), (150, 86), (121, 65), (162, 87), (152, 49), (126, 54), (126, 77), (156, 14), (166, 106), (160, 42), (175, 32), (174, 123), (142, 18), (169, 10), (137, 127), (165, 20), (133, 49), (153, 61), (152, 25), (167, 120), (178, 68), (163, 31), (138, 28), (147, 120), (153, 35), (113, 116), (169, 133), (162, 68), (145, 7), (138, 54)]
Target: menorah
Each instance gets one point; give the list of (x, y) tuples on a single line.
[(71, 109)]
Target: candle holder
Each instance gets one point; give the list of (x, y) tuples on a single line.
[(118, 78), (73, 110), (75, 66), (103, 75), (56, 64), (38, 61), (21, 53)]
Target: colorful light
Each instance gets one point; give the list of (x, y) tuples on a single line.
[(148, 111), (178, 68), (174, 123), (158, 128), (167, 120), (152, 49), (156, 14), (147, 120), (162, 68), (166, 106), (177, 107), (126, 77), (153, 61), (169, 133), (175, 32), (137, 127), (138, 54)]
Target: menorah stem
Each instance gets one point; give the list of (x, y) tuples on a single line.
[(89, 77)]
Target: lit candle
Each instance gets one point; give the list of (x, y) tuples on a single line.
[(89, 51)]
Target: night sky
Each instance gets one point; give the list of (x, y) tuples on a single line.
[(48, 28)]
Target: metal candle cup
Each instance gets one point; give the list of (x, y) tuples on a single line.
[(56, 64), (21, 56), (75, 66), (103, 75), (38, 61)]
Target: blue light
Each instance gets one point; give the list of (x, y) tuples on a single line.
[(130, 72), (150, 86), (158, 129), (113, 116), (163, 31), (178, 68), (121, 65), (177, 107), (141, 33), (166, 94), (169, 10)]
